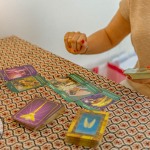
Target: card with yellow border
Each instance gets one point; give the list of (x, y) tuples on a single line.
[(87, 128)]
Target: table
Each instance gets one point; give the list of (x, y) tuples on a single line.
[(129, 124)]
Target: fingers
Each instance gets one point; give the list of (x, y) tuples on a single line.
[(84, 47), (67, 41), (75, 42)]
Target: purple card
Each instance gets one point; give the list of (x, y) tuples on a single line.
[(38, 112), (97, 101), (17, 72)]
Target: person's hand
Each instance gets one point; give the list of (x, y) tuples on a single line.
[(75, 42)]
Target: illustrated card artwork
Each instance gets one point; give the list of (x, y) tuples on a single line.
[(37, 112), (98, 101), (18, 72), (88, 124), (64, 83), (74, 88), (26, 83), (87, 128), (71, 87)]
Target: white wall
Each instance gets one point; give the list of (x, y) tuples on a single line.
[(44, 23)]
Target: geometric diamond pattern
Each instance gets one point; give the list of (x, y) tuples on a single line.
[(128, 126)]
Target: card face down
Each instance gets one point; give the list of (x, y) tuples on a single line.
[(38, 112), (87, 128), (17, 72), (23, 84)]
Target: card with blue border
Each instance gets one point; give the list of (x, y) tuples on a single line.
[(87, 128)]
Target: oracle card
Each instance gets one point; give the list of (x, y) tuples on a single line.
[(98, 101), (38, 112), (23, 84), (87, 128), (70, 89), (17, 72), (74, 88)]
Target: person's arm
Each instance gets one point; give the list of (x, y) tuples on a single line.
[(99, 41), (110, 36)]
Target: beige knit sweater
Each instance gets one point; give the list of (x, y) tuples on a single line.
[(137, 13)]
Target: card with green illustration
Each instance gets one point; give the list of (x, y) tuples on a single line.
[(27, 83), (70, 89), (74, 88)]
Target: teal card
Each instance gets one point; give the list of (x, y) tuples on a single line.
[(26, 83), (74, 88)]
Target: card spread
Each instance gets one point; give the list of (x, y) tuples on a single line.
[(74, 88)]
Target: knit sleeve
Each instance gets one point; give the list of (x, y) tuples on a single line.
[(124, 9)]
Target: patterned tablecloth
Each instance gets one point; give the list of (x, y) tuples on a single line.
[(129, 124)]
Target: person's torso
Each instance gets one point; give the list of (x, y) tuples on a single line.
[(139, 15)]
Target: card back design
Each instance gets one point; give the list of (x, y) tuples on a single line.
[(38, 112)]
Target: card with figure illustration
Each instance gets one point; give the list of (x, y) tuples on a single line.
[(27, 83), (71, 89), (87, 128), (38, 112), (76, 88), (17, 72), (64, 83), (97, 101)]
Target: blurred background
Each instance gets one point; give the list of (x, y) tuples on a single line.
[(44, 23)]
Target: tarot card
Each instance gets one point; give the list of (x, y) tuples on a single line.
[(74, 88), (64, 83), (98, 101), (137, 73), (70, 89), (38, 112), (18, 72), (87, 128), (27, 83)]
